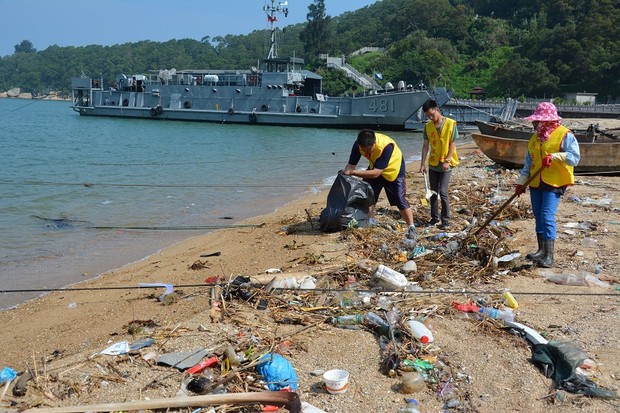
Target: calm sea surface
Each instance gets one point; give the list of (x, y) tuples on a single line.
[(63, 177)]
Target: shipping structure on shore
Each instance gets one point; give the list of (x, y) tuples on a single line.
[(280, 92)]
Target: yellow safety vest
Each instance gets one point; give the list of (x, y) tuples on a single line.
[(440, 144), (559, 173), (390, 173)]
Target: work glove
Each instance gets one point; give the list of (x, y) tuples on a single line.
[(558, 156), (412, 234), (546, 162), (520, 185)]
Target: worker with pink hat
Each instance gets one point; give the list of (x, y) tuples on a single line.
[(553, 152)]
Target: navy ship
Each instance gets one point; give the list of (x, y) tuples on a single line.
[(280, 92)]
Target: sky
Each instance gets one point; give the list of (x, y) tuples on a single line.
[(109, 22)]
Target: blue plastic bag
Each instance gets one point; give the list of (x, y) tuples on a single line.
[(7, 374), (278, 372)]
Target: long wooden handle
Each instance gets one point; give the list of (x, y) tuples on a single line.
[(507, 202), (289, 400)]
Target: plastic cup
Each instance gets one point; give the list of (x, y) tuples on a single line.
[(336, 381)]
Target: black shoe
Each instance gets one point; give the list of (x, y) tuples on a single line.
[(432, 222), (444, 225)]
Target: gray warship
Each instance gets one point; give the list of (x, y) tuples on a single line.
[(280, 92)]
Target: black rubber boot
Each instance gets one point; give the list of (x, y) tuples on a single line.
[(547, 259), (534, 256)]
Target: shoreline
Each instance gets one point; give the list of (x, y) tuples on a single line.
[(268, 209), (312, 190)]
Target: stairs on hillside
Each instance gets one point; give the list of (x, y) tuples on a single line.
[(363, 80)]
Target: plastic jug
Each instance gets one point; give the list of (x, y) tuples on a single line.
[(420, 331), (389, 278)]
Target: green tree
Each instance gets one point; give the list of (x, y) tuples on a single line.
[(316, 35), (25, 46), (520, 76)]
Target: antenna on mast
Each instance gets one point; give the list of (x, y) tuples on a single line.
[(271, 18)]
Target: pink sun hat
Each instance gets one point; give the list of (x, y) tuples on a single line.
[(545, 112)]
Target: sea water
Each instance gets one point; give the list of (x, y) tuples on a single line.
[(74, 188)]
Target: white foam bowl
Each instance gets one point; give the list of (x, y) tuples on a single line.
[(336, 381)]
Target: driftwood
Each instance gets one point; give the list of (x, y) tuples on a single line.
[(289, 400)]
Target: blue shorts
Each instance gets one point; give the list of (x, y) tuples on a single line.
[(396, 191)]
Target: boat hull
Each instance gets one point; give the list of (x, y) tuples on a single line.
[(250, 105), (596, 158), (525, 133), (274, 119)]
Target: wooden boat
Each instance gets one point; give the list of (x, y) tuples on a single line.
[(596, 157), (517, 131)]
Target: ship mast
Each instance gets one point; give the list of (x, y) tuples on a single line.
[(271, 18)]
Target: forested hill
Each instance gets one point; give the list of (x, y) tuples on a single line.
[(531, 48)]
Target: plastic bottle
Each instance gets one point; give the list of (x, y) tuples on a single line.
[(232, 356), (420, 331), (348, 299), (377, 323), (389, 278), (384, 303), (308, 408), (418, 365), (510, 300), (412, 382), (505, 315), (439, 236), (411, 407), (588, 242), (349, 320)]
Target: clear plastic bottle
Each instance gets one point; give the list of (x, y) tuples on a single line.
[(232, 356), (505, 315), (389, 278), (376, 323), (411, 407), (384, 303), (412, 382)]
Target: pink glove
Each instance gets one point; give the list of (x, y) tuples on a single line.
[(546, 162)]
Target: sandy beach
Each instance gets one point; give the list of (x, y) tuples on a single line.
[(60, 336)]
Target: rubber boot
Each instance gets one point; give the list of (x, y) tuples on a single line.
[(535, 256), (547, 259)]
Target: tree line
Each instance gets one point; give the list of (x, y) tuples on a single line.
[(511, 48)]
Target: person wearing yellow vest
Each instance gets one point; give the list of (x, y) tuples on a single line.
[(386, 170), (553, 150), (440, 135)]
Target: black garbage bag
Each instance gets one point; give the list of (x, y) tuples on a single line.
[(559, 361), (348, 203)]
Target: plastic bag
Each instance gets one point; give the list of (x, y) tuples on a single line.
[(348, 203), (559, 360), (7, 374), (278, 372)]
